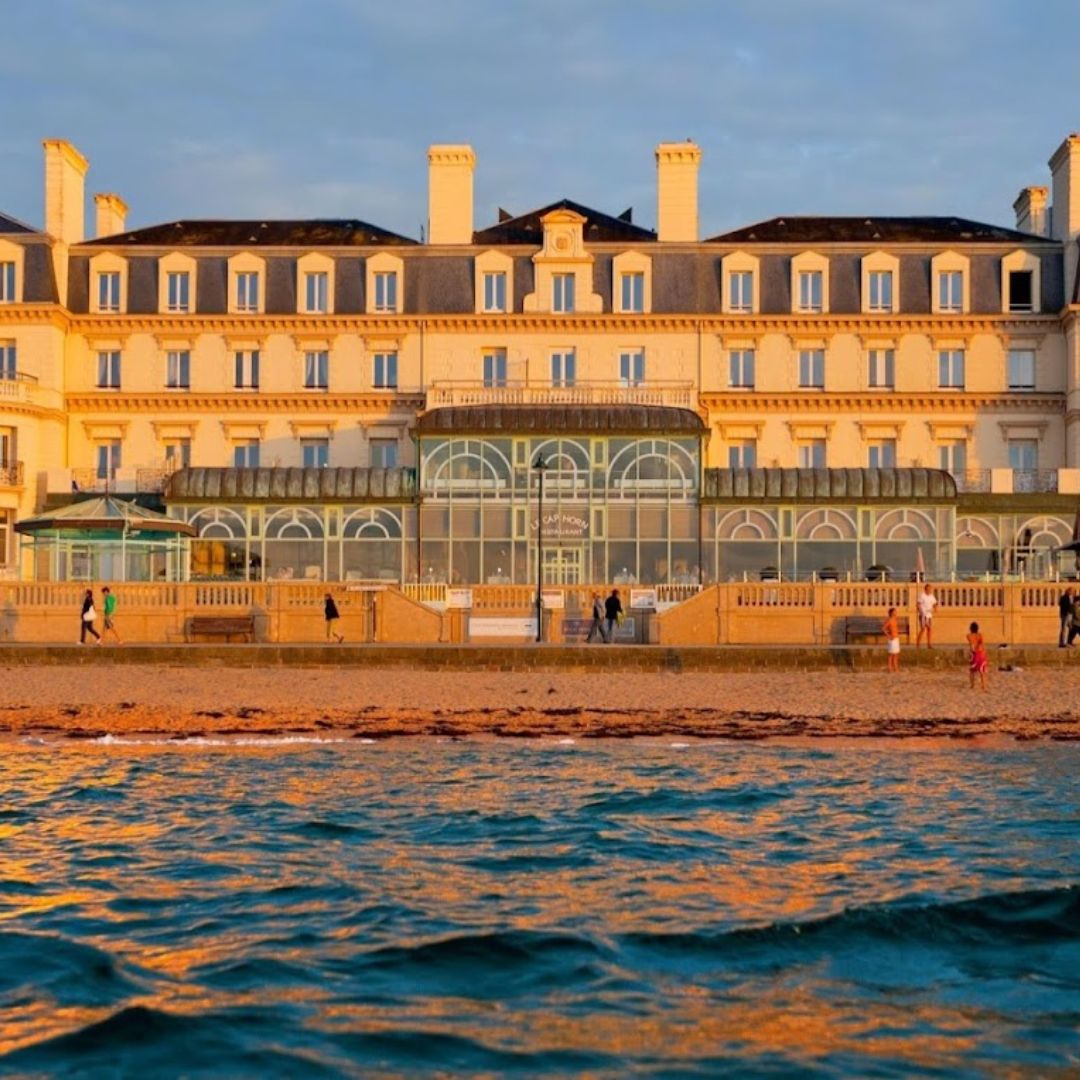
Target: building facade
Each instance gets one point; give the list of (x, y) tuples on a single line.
[(326, 399)]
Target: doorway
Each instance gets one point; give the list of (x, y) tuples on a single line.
[(564, 565)]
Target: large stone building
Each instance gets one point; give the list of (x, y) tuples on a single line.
[(325, 399)]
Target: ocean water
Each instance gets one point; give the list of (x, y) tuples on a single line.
[(539, 908)]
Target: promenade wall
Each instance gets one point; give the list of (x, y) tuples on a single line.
[(809, 614)]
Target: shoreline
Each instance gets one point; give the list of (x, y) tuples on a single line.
[(79, 702)]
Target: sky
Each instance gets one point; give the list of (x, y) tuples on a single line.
[(325, 108)]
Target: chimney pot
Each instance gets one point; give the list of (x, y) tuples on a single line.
[(65, 191), (450, 194), (677, 191), (110, 214)]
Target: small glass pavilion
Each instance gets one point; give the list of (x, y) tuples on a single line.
[(106, 539)]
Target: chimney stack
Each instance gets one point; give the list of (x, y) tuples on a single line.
[(450, 194), (1030, 207), (65, 192), (1065, 207), (110, 215), (677, 191)]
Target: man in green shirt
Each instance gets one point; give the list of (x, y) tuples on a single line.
[(109, 607)]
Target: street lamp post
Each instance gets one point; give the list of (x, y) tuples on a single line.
[(540, 465)]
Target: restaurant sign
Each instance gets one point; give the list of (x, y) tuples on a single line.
[(560, 524)]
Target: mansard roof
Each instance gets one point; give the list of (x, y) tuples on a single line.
[(8, 224), (314, 232), (797, 229), (599, 227)]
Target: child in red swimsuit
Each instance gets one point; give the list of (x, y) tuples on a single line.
[(979, 663)]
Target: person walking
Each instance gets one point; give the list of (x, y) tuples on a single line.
[(978, 662), (1065, 612), (89, 614), (332, 617), (613, 614), (596, 628), (891, 629), (1074, 620), (108, 608), (925, 605)]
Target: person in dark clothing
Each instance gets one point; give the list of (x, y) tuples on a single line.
[(1065, 611), (332, 615), (86, 624), (613, 612), (1074, 622), (597, 627)]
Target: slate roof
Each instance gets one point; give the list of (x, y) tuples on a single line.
[(291, 485), (316, 232), (873, 230), (8, 224), (828, 485), (598, 228), (542, 419)]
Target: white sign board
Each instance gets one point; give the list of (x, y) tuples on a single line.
[(643, 598), (554, 599), (502, 627), (459, 598)]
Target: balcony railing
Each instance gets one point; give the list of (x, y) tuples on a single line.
[(970, 480), (15, 386), (1035, 480), (679, 395), (122, 481), (11, 474)]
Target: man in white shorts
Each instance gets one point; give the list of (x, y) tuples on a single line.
[(926, 603)]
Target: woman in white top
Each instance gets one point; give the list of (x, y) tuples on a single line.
[(926, 603)]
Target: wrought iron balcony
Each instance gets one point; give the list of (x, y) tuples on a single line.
[(679, 395), (972, 480), (1039, 481), (11, 474)]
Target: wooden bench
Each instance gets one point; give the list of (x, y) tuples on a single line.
[(221, 626), (864, 626)]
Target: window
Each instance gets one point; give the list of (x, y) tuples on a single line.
[(316, 292), (1021, 290), (563, 368), (1021, 369), (632, 290), (741, 368), (810, 290), (108, 290), (562, 299), (316, 370), (7, 520), (1024, 454), (742, 455), (7, 360), (812, 368), (880, 283), (951, 290), (247, 290), (245, 454), (632, 368), (881, 369), (386, 290), (952, 456), (108, 370), (108, 459), (384, 453), (741, 291), (178, 453), (178, 291), (7, 447), (247, 370), (384, 371), (495, 290), (811, 454), (178, 370), (881, 454), (7, 282), (495, 367), (951, 369), (315, 453)]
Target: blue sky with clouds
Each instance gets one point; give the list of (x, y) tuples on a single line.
[(306, 108)]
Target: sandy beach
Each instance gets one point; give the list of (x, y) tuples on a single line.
[(135, 700)]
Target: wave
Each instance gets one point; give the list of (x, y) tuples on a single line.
[(1030, 917), (73, 973), (204, 740)]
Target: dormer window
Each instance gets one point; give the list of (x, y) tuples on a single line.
[(880, 288), (810, 290), (316, 292), (495, 291), (1021, 282), (632, 289), (7, 282), (247, 291), (108, 291), (739, 283), (741, 291), (951, 291), (178, 291), (810, 283), (384, 276), (176, 283), (386, 291), (562, 293)]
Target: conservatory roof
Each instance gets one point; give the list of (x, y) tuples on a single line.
[(104, 513), (291, 485), (545, 419), (829, 485)]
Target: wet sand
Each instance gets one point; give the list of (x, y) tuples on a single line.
[(135, 700)]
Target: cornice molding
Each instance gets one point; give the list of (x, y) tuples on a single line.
[(243, 401), (885, 401)]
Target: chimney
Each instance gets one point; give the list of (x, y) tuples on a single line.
[(65, 196), (1065, 207), (1030, 207), (677, 191), (450, 194), (110, 215)]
